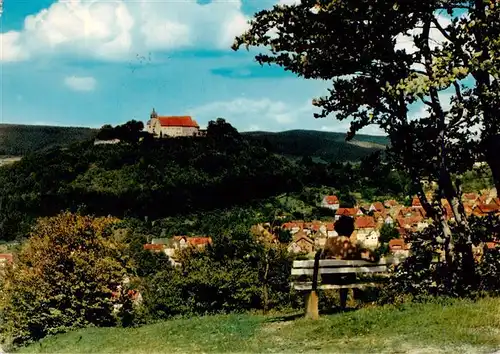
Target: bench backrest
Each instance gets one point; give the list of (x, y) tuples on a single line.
[(304, 271), (339, 266)]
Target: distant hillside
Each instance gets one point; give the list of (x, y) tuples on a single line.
[(325, 146), (23, 139), (19, 140)]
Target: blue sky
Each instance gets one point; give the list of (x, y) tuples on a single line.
[(89, 63)]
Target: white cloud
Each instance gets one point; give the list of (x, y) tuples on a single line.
[(344, 126), (10, 47), (265, 114), (406, 42), (82, 83), (289, 2), (119, 29), (264, 111)]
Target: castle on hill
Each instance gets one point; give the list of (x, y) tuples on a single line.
[(172, 126)]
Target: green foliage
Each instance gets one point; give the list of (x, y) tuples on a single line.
[(388, 232), (205, 177), (423, 275), (326, 146), (63, 279), (226, 277)]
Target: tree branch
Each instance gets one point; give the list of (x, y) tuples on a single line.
[(441, 29)]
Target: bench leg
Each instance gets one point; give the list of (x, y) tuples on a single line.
[(343, 298), (312, 310)]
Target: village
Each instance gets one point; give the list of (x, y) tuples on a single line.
[(307, 237)]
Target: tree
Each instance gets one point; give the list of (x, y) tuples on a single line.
[(64, 278), (387, 233), (220, 129), (352, 43)]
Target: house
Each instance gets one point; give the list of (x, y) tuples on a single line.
[(399, 247), (106, 142), (330, 202), (470, 198), (351, 212), (172, 126), (301, 244), (411, 212), (293, 227), (486, 209), (366, 233), (415, 203), (182, 242), (330, 230), (391, 203), (6, 258), (377, 206), (172, 245)]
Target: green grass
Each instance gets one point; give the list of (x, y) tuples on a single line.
[(459, 327)]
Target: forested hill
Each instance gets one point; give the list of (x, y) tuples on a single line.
[(321, 146), (327, 146), (157, 178), (20, 140)]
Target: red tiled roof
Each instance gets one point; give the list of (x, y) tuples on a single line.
[(397, 244), (178, 121), (194, 241), (391, 203), (488, 208), (416, 202), (347, 211), (8, 256), (492, 245), (364, 222), (157, 247), (412, 211), (408, 221), (330, 226), (301, 235), (378, 206), (291, 225), (331, 199), (470, 196)]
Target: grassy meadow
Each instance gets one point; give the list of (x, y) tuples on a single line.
[(457, 327)]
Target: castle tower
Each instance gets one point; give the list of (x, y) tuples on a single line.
[(153, 114)]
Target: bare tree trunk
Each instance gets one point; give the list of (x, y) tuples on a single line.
[(445, 185)]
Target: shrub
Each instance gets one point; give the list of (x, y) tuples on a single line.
[(229, 276), (64, 278), (422, 276)]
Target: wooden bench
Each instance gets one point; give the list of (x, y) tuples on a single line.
[(306, 277)]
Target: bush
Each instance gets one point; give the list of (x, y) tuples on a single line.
[(420, 277), (231, 276), (64, 278)]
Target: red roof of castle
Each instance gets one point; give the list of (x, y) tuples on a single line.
[(178, 121)]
